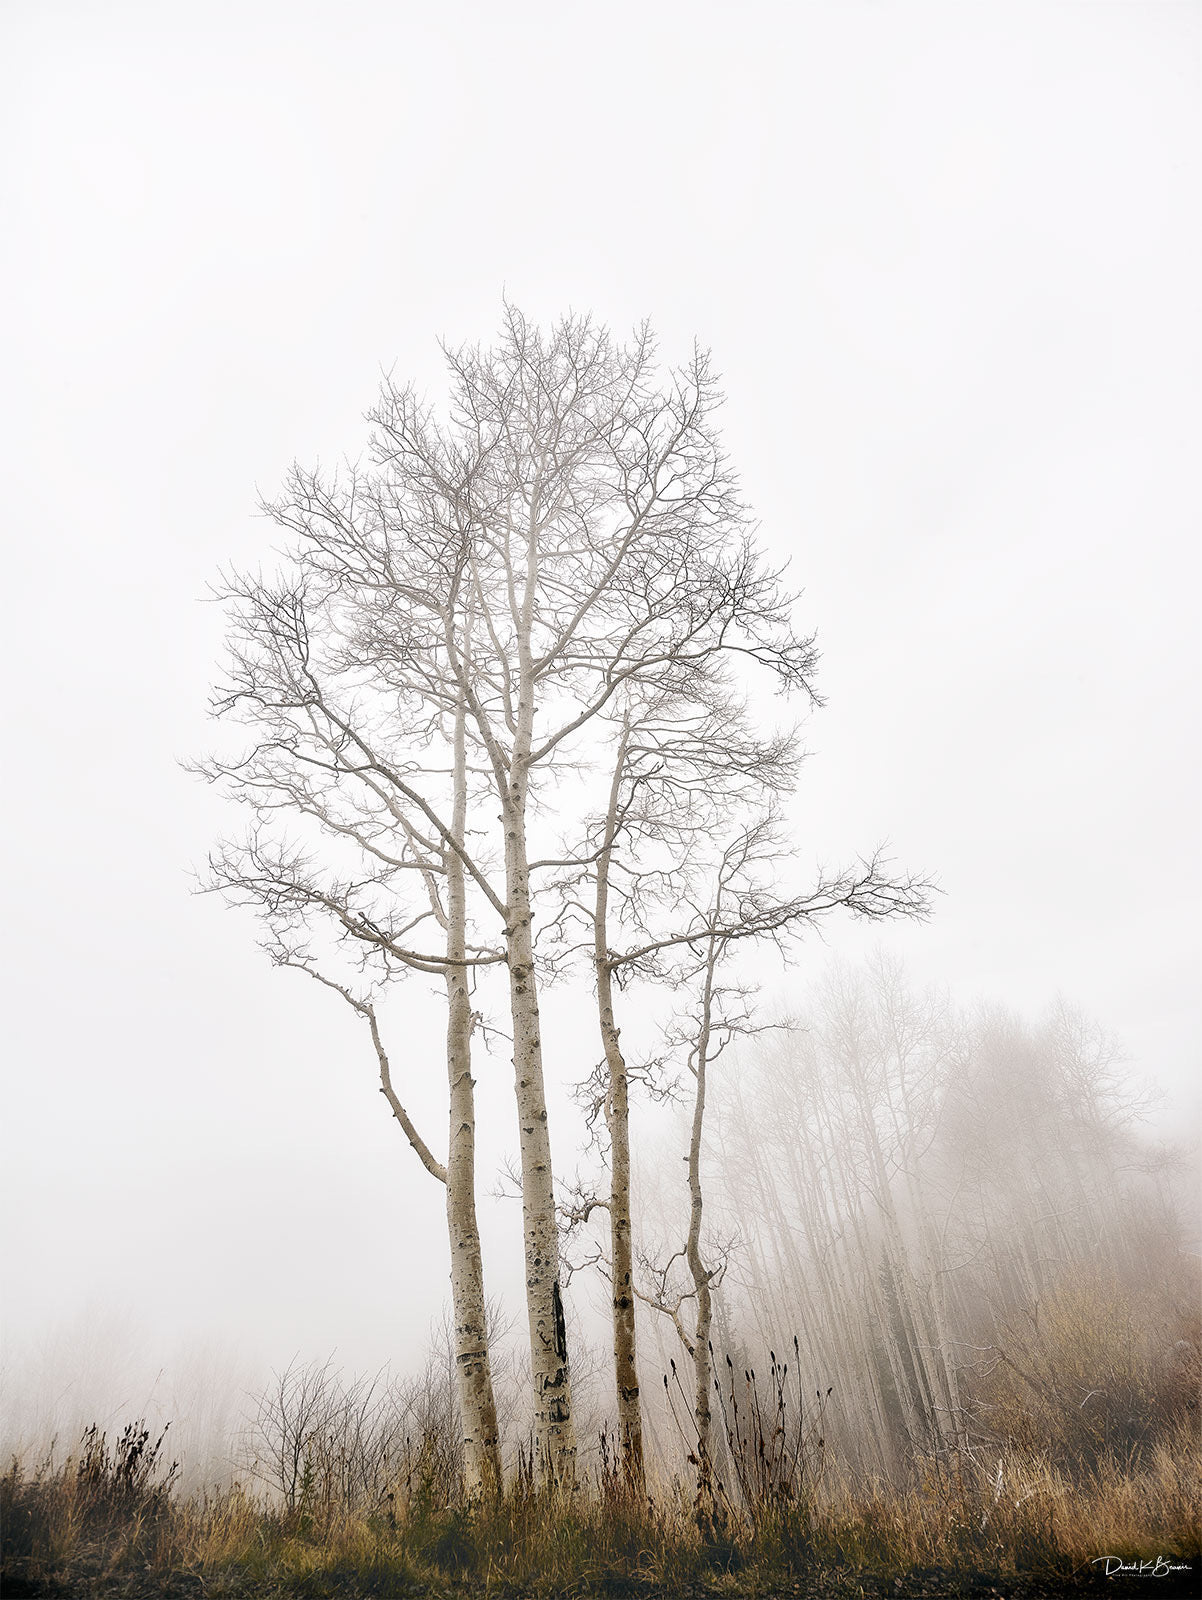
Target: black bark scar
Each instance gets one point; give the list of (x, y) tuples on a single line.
[(561, 1332)]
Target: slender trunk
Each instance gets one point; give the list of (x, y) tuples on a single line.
[(859, 1251), (630, 1420), (477, 1406), (702, 1358), (554, 1431), (617, 1116), (912, 1340)]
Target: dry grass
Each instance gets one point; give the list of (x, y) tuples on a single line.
[(66, 1525), (1024, 1514), (1094, 1453)]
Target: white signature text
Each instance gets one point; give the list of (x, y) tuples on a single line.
[(1160, 1568)]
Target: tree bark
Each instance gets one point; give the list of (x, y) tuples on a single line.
[(703, 1372), (555, 1438), (477, 1405), (617, 1117)]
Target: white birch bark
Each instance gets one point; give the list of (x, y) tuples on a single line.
[(617, 1116), (477, 1405), (703, 1370), (554, 1432)]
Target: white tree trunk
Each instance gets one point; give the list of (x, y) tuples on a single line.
[(477, 1406), (703, 1369), (555, 1438), (617, 1117)]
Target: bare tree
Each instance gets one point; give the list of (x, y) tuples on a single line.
[(676, 760), (571, 532), (680, 773), (742, 906), (323, 755)]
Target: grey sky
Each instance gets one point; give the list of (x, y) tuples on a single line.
[(947, 259)]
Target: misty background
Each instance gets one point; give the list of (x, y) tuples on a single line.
[(945, 257)]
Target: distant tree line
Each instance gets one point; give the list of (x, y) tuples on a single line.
[(961, 1220)]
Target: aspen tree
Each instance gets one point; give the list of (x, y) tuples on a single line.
[(571, 529), (742, 906), (605, 548), (674, 763), (324, 754), (682, 766)]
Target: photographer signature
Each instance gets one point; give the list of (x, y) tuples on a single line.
[(1160, 1568)]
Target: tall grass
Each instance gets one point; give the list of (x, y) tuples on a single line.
[(108, 1519)]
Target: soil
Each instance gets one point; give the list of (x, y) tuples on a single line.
[(922, 1584)]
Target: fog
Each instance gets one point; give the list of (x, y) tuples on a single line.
[(945, 258)]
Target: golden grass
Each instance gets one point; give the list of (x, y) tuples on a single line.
[(1020, 1514), (1025, 1514)]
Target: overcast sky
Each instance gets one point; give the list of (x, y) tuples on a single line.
[(947, 258)]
